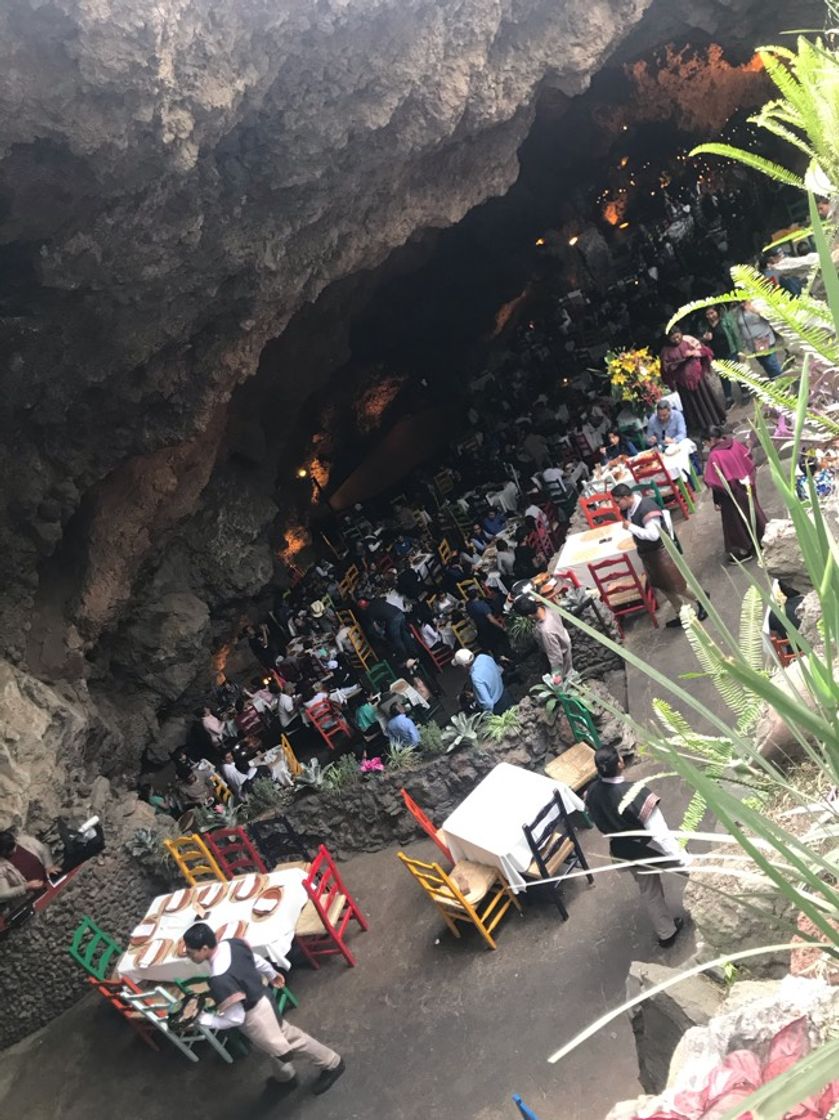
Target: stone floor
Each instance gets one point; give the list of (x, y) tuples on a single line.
[(429, 1026)]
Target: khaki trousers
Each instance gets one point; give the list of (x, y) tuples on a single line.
[(281, 1040), (652, 895)]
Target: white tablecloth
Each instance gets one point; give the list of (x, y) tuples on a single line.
[(421, 564), (506, 499), (581, 549), (271, 937), (487, 826), (676, 462)]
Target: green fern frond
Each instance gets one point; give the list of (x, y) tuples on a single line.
[(772, 395), (757, 163), (750, 636), (700, 305), (784, 311), (796, 235), (707, 653), (768, 121)]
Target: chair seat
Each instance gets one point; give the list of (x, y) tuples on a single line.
[(621, 593), (574, 767), (309, 923), (555, 862), (474, 879), (302, 864)]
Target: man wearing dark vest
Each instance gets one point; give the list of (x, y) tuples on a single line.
[(644, 520), (615, 807), (237, 984)]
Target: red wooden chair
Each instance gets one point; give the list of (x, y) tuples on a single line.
[(567, 576), (783, 650), (584, 448), (600, 509), (621, 589), (329, 721), (425, 823), (322, 925), (112, 990), (651, 469), (439, 657), (234, 851)]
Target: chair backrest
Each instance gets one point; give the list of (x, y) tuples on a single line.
[(346, 585), (328, 719), (600, 509), (441, 656), (362, 652), (615, 578), (95, 950), (279, 841), (445, 551), (347, 617), (425, 823), (783, 649), (580, 721), (467, 585), (291, 760), (567, 577), (323, 884), (443, 481), (221, 789), (234, 851), (193, 858), (549, 830), (381, 674), (439, 886), (651, 474), (465, 633)]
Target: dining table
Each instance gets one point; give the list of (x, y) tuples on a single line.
[(270, 936), (593, 545), (675, 457), (487, 826)]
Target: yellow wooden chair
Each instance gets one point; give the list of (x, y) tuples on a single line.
[(465, 585), (221, 789), (194, 859), (347, 618), (445, 552), (465, 633), (291, 759), (472, 893), (363, 654), (347, 585), (444, 482)]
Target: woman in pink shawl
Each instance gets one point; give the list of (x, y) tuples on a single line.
[(686, 367), (730, 473)]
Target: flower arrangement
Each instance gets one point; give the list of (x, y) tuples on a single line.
[(635, 376)]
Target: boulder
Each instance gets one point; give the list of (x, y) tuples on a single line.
[(782, 555)]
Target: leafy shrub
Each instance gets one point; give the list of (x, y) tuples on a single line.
[(431, 738), (464, 729), (508, 723), (342, 773), (400, 757)]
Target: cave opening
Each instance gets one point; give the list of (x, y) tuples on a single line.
[(605, 184)]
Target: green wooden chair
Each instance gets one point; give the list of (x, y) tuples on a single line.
[(283, 998), (380, 676), (649, 489), (580, 721), (95, 950)]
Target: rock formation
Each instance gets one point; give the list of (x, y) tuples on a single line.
[(177, 180)]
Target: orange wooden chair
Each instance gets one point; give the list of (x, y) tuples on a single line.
[(322, 925), (650, 469), (600, 509), (622, 590), (112, 991), (425, 823), (329, 721), (193, 859), (783, 650), (346, 585), (234, 851)]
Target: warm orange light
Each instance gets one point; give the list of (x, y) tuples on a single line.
[(573, 240), (624, 225), (302, 472), (540, 241), (624, 161)]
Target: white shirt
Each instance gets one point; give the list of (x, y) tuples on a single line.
[(649, 532), (234, 1016), (235, 778), (214, 727), (286, 709)]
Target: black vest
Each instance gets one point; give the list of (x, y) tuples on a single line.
[(242, 976), (645, 506), (616, 807)]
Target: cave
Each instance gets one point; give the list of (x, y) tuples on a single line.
[(251, 256), (241, 250)]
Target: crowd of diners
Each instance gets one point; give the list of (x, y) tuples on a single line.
[(438, 566)]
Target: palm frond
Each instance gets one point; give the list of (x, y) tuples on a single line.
[(757, 163)]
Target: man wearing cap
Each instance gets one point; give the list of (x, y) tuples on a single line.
[(487, 681), (549, 632)]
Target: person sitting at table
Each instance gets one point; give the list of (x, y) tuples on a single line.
[(247, 719), (193, 787), (365, 717), (211, 724), (234, 776), (644, 520), (665, 426), (477, 540), (550, 633), (493, 522), (409, 584), (504, 558), (616, 445), (487, 681), (401, 729), (455, 572), (25, 865), (616, 809), (237, 977), (524, 559)]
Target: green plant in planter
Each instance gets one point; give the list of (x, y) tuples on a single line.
[(146, 847), (549, 694), (499, 727), (224, 816), (265, 797), (401, 757), (310, 776), (464, 729), (520, 630), (342, 773), (431, 738)]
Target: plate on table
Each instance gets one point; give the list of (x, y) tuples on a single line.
[(153, 952), (247, 887), (178, 901), (143, 933), (210, 895), (231, 929), (267, 903)]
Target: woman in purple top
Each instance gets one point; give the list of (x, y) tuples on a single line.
[(730, 473)]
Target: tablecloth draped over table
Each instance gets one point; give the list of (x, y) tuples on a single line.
[(272, 937), (487, 826), (676, 460), (581, 549)]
